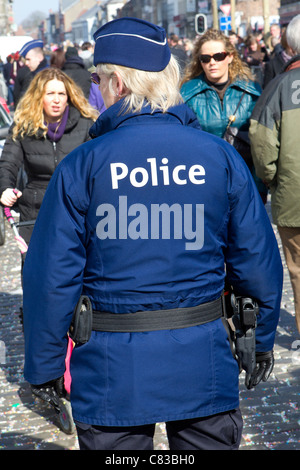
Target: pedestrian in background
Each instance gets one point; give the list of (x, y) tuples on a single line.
[(74, 67), (255, 57), (188, 47), (273, 37), (4, 91), (86, 53), (7, 74), (158, 350), (21, 81), (281, 55), (217, 85), (275, 140), (58, 58), (178, 51), (95, 98), (236, 41), (35, 61), (51, 120)]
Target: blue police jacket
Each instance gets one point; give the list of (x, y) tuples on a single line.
[(145, 217)]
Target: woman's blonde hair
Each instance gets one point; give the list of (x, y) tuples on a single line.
[(159, 90), (237, 68), (29, 117)]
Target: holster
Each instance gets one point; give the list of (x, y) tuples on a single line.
[(81, 326), (241, 313)]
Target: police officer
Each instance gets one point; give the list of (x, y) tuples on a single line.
[(35, 61), (143, 220)]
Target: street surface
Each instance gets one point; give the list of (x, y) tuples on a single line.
[(270, 411)]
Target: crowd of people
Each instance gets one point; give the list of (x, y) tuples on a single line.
[(264, 54), (18, 69), (104, 130)]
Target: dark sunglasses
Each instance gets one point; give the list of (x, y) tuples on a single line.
[(218, 57), (95, 78)]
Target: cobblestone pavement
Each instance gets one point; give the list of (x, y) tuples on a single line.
[(271, 411)]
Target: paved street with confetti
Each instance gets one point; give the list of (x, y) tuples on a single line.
[(270, 411)]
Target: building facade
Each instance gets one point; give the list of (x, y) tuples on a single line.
[(78, 19), (73, 9), (84, 27), (178, 16), (288, 9)]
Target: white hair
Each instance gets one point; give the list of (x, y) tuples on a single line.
[(160, 90), (293, 34)]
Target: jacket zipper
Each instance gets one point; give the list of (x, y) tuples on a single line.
[(55, 155)]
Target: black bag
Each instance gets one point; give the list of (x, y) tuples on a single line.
[(239, 139)]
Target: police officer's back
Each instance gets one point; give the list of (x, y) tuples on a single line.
[(145, 218)]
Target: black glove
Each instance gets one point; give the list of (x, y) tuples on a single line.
[(50, 391), (262, 371)]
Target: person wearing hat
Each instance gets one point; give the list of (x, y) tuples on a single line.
[(144, 220), (35, 62), (74, 67), (33, 53)]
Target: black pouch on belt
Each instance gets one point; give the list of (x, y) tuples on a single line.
[(81, 326)]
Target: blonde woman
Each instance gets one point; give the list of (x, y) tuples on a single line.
[(217, 84), (51, 120)]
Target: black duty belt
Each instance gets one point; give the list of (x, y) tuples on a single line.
[(157, 319)]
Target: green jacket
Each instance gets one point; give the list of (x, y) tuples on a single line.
[(275, 142)]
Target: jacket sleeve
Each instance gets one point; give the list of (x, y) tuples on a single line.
[(53, 275), (10, 162), (264, 134), (253, 261)]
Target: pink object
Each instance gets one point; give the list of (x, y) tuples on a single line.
[(4, 104), (21, 244), (68, 378)]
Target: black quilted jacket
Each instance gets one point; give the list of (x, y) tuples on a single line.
[(39, 157)]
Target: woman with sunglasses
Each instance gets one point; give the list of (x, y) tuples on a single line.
[(214, 82)]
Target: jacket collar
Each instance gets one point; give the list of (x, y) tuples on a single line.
[(42, 65), (113, 118), (74, 62), (73, 118)]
